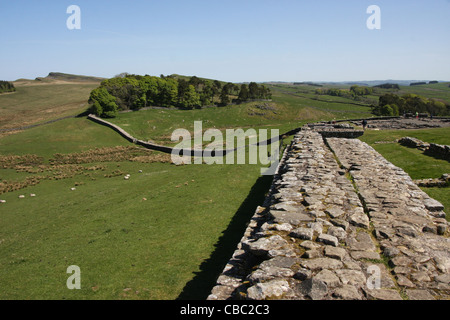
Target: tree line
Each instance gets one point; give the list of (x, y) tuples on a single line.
[(395, 105), (422, 83), (388, 86), (6, 86), (133, 92), (355, 91)]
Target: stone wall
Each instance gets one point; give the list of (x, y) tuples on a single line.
[(142, 143), (439, 151), (443, 181), (432, 149), (340, 222), (413, 143), (324, 129)]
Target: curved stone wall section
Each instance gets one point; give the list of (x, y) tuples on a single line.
[(144, 144)]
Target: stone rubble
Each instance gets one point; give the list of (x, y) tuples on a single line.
[(340, 223), (414, 143), (431, 149), (443, 181)]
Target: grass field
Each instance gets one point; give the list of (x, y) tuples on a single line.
[(126, 247), (165, 233), (151, 237), (40, 101), (439, 91)]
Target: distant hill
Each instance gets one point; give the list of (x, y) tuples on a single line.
[(70, 77), (369, 83)]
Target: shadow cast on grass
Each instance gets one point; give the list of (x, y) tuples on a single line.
[(200, 287)]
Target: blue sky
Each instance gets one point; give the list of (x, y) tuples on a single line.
[(245, 40)]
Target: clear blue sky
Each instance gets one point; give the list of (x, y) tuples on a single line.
[(244, 40)]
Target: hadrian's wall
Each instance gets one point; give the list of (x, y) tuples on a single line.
[(432, 149), (129, 137), (340, 222)]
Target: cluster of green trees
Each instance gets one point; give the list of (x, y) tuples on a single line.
[(423, 82), (361, 91), (133, 92), (6, 86), (394, 105), (355, 91), (333, 92), (388, 86)]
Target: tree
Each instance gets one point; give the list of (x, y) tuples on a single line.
[(253, 90), (183, 87), (243, 93), (236, 89), (149, 85), (167, 92), (6, 86), (265, 92), (104, 104), (386, 110), (121, 75), (360, 91), (224, 98), (435, 107), (207, 94), (196, 82), (217, 85), (228, 88), (191, 98)]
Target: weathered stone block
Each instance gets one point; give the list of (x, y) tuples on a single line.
[(294, 218), (335, 253), (274, 289), (303, 233), (327, 239), (313, 289), (360, 220)]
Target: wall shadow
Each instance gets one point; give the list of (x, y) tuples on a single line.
[(199, 288)]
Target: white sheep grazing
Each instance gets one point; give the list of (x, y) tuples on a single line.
[(73, 189), (32, 195), (21, 196), (2, 201)]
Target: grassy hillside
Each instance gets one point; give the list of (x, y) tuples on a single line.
[(287, 110), (71, 77), (440, 91), (37, 101), (163, 223)]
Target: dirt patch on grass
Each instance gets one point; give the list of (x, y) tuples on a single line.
[(65, 166)]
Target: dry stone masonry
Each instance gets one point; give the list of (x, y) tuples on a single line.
[(441, 182), (432, 149), (341, 223)]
